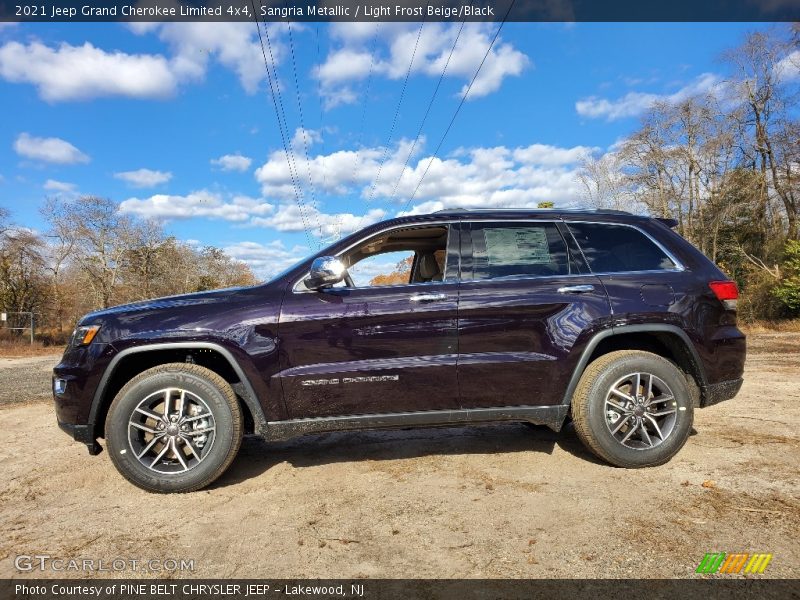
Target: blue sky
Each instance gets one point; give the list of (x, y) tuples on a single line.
[(175, 121)]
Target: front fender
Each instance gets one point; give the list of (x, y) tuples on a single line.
[(245, 390)]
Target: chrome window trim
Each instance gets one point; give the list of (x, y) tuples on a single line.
[(679, 267), (447, 222)]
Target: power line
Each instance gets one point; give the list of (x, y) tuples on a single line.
[(303, 128), (427, 112), (277, 100), (272, 87), (394, 121), (373, 43), (321, 120), (288, 147), (460, 104)]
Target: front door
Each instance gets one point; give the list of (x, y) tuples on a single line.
[(372, 349)]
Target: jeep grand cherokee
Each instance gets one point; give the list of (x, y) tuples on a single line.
[(610, 319)]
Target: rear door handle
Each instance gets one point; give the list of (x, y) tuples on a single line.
[(575, 289), (428, 297)]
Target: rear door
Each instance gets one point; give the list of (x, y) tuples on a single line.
[(644, 281), (527, 307)]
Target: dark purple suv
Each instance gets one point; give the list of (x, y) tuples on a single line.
[(610, 319)]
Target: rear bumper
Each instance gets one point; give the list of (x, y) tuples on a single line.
[(719, 392)]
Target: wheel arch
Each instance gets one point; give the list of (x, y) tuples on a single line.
[(668, 341), (131, 361)]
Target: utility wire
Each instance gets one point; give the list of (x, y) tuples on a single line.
[(394, 122), (283, 133), (304, 134), (372, 46), (458, 108), (427, 112), (288, 146), (321, 119)]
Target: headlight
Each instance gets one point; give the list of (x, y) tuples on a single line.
[(84, 335)]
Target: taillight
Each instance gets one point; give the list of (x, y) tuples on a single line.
[(726, 292)]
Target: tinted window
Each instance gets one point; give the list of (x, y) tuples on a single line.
[(513, 250), (616, 248)]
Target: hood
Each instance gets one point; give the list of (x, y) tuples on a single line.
[(229, 313), (166, 302)]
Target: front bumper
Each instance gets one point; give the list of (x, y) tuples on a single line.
[(719, 392), (84, 434), (74, 382)]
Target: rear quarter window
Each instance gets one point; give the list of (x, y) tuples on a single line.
[(610, 248)]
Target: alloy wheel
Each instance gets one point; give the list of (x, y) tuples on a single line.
[(171, 431), (641, 411)]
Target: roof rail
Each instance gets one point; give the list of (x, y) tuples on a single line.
[(609, 211)]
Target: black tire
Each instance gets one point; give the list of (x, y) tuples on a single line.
[(595, 420), (218, 398)]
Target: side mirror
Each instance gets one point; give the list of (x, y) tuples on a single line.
[(325, 272)]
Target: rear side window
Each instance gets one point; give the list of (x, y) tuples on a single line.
[(514, 250), (617, 249)]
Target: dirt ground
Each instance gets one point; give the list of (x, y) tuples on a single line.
[(493, 501)]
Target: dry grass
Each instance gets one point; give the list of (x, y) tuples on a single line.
[(759, 326), (13, 348)]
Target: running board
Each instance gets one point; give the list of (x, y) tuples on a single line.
[(552, 416)]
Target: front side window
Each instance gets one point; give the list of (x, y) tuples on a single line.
[(400, 257), (391, 268), (518, 250), (610, 248)]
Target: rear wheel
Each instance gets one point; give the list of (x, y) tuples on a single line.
[(174, 428), (633, 409)]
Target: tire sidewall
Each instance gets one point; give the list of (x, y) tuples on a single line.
[(123, 455), (596, 416)]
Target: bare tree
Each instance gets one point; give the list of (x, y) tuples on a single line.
[(101, 238), (761, 85), (58, 250), (22, 279), (606, 184)]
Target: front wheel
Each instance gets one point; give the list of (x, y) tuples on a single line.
[(633, 409), (174, 428)]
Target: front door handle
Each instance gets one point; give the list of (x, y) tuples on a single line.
[(575, 289), (428, 297)]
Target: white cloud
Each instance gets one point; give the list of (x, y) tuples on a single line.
[(82, 72), (233, 45), (350, 61), (53, 150), (69, 73), (289, 218), (266, 259), (476, 177), (53, 185), (334, 173), (144, 178), (788, 68), (543, 154), (232, 162), (635, 103), (201, 203)]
